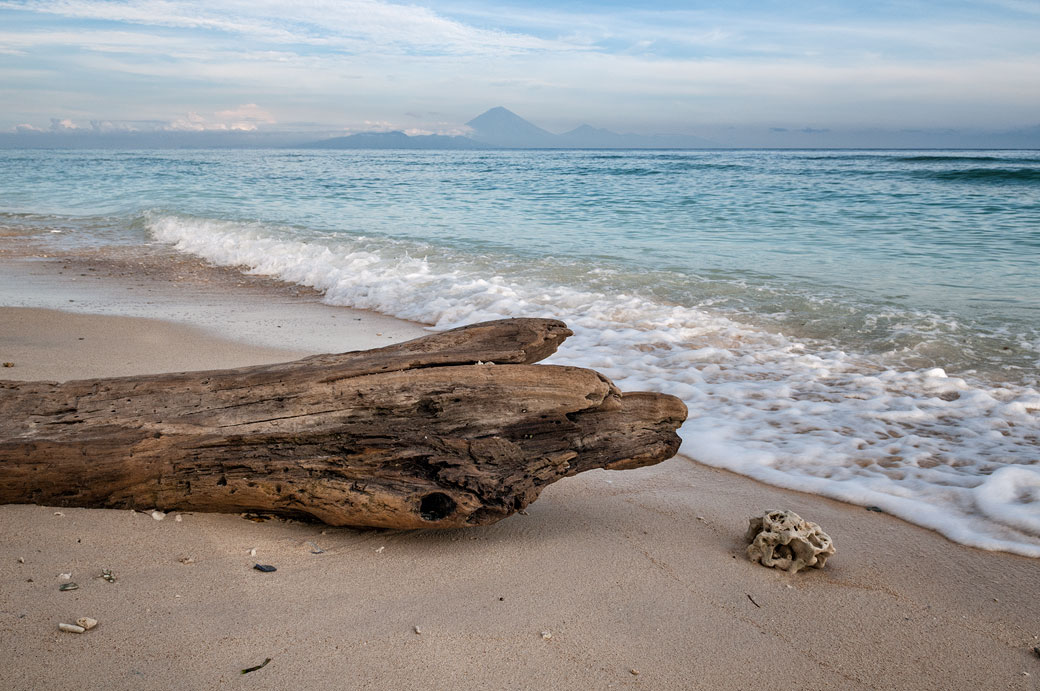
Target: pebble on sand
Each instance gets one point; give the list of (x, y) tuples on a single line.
[(71, 628)]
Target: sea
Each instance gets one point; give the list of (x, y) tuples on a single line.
[(862, 325)]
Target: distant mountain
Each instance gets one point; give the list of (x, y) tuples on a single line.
[(502, 127), (588, 137), (395, 140)]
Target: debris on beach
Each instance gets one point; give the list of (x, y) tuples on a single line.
[(86, 623), (68, 586), (266, 568), (107, 575), (158, 515), (256, 517), (8, 364), (187, 560), (875, 509), (177, 518), (71, 628), (65, 576), (252, 552), (500, 466), (21, 560), (380, 550), (417, 630), (781, 539), (58, 513), (315, 549), (546, 635), (634, 672), (247, 670)]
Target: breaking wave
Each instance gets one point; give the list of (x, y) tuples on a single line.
[(958, 456)]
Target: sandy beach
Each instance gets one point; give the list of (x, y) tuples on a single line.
[(639, 577)]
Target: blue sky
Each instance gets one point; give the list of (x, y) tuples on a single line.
[(666, 66)]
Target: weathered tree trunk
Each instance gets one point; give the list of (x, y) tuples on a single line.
[(453, 429)]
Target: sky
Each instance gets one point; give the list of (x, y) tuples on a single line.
[(733, 71)]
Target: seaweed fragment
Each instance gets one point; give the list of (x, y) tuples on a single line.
[(247, 670)]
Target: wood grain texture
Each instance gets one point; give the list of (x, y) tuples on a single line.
[(457, 428)]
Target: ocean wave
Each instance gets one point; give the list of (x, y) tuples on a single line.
[(991, 175), (948, 454), (965, 159)]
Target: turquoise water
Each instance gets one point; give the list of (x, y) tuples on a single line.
[(861, 324)]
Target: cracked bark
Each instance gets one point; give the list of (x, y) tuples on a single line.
[(454, 429)]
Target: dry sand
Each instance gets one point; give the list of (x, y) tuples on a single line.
[(639, 576)]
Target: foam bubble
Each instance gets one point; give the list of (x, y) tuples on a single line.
[(955, 456)]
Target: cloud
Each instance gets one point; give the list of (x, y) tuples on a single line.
[(245, 118), (248, 117), (63, 125), (343, 62), (443, 128), (349, 25)]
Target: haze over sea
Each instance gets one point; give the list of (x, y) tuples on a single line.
[(857, 324)]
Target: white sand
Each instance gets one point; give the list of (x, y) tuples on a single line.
[(637, 570)]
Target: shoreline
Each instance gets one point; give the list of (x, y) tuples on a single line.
[(635, 570), (172, 287)]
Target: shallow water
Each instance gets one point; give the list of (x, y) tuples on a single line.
[(862, 325)]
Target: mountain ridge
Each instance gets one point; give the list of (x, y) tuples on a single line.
[(500, 127), (395, 139)]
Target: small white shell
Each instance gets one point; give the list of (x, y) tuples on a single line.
[(71, 628), (86, 622), (546, 635), (158, 515)]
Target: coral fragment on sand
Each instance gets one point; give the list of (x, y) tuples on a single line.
[(781, 539)]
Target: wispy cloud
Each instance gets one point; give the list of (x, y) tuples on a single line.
[(345, 25)]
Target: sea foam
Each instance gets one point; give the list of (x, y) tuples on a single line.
[(957, 456)]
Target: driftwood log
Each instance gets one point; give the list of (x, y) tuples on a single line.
[(454, 429)]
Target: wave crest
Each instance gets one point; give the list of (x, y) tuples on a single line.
[(920, 444)]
